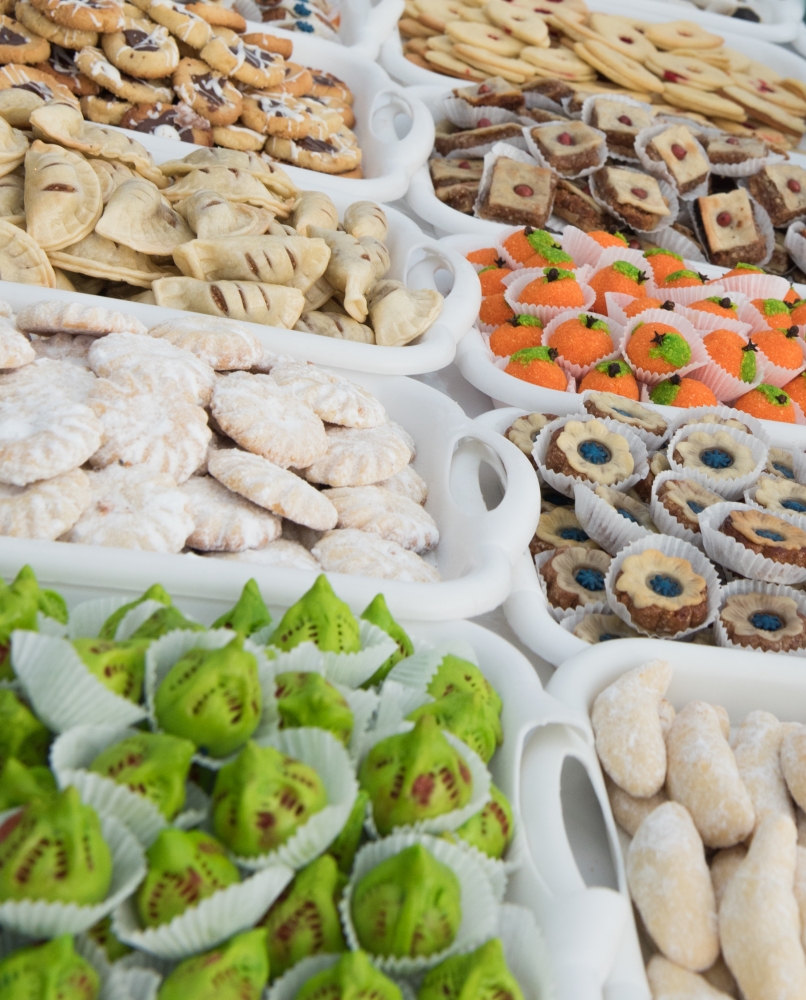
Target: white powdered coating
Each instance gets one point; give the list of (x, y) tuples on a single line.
[(362, 456), (408, 484), (701, 774), (282, 552), (221, 343), (628, 811), (71, 348), (670, 884), (629, 737), (45, 509), (332, 397), (381, 512), (74, 317), (15, 350), (50, 376), (349, 551), (671, 982), (269, 421), (800, 889), (724, 866), (757, 748), (667, 714), (793, 762), (134, 509), (224, 521)]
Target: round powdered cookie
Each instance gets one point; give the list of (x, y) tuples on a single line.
[(15, 350), (169, 121), (45, 375), (361, 456), (94, 64), (290, 555), (333, 398), (19, 44), (338, 154), (83, 15), (45, 509), (221, 343), (407, 483), (357, 552), (64, 347), (57, 34), (382, 512), (61, 65), (224, 521), (268, 420), (74, 317), (210, 94), (272, 488), (133, 509), (180, 20), (141, 51)]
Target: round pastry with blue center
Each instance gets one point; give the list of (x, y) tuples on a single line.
[(603, 628), (625, 506), (663, 594), (575, 577), (716, 455), (589, 450), (525, 429), (658, 462), (780, 463), (769, 536), (768, 622), (626, 411), (558, 528), (685, 500), (776, 493)]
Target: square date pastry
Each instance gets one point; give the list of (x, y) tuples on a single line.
[(473, 137), (635, 196), (730, 229), (446, 173), (494, 92), (461, 197), (620, 123), (781, 189), (569, 147), (573, 202), (519, 194), (729, 149), (677, 149)]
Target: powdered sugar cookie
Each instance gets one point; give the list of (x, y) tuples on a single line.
[(44, 375), (75, 317), (221, 343), (381, 512), (408, 484), (273, 488), (83, 15), (64, 347), (224, 521), (332, 397), (267, 420), (361, 456), (350, 551), (285, 553), (133, 509), (15, 350), (153, 429), (45, 509)]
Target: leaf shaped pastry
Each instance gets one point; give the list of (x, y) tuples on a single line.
[(62, 196), (270, 305), (399, 315), (139, 217), (354, 267)]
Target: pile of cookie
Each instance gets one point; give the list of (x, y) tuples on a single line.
[(190, 436), (716, 863), (160, 814), (185, 71)]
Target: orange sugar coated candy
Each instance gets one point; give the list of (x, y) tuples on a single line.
[(618, 277), (767, 402), (739, 271), (518, 246), (611, 376), (495, 310), (485, 258), (509, 338), (537, 365), (783, 349), (798, 314), (554, 288), (681, 278), (663, 262), (641, 305), (682, 393), (658, 348), (606, 240), (582, 340), (715, 307), (726, 348), (797, 390), (775, 312), (492, 280), (791, 296)]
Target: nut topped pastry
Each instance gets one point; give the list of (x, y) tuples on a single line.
[(731, 232), (569, 147), (492, 92), (781, 189), (620, 123), (728, 149), (633, 195), (682, 155), (519, 193)]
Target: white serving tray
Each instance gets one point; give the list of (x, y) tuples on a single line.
[(738, 680)]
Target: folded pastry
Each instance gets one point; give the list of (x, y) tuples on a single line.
[(139, 217), (209, 215), (62, 196), (399, 315), (254, 301), (22, 259), (365, 218), (99, 257), (237, 185), (354, 267), (314, 208), (327, 324), (276, 260)]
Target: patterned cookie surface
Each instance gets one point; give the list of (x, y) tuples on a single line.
[(46, 374), (220, 343), (362, 456), (408, 483), (224, 521), (384, 513), (350, 551), (283, 552), (73, 317), (45, 509), (15, 350), (332, 397), (64, 347)]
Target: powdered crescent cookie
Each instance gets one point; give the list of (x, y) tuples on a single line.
[(272, 488), (224, 521), (407, 483), (333, 398), (220, 343), (283, 552), (83, 15), (360, 456), (390, 515), (134, 509), (45, 509), (74, 317), (347, 550), (15, 350), (757, 748)]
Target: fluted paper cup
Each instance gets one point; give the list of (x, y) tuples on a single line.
[(603, 523), (579, 371), (729, 488), (292, 981), (560, 614), (755, 587), (732, 554)]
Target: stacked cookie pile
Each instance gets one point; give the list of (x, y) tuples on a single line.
[(716, 865), (214, 794), (180, 71)]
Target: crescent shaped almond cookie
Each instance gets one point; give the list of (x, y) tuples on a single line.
[(757, 747)]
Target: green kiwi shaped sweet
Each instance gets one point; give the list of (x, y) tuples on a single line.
[(19, 603), (163, 621), (154, 765), (238, 969), (414, 776), (345, 845), (321, 618), (212, 697), (154, 593), (103, 935), (307, 699), (410, 905), (467, 715), (249, 613), (22, 735), (378, 614), (119, 666), (482, 974), (353, 977), (19, 784), (490, 829), (184, 867), (53, 849), (455, 674), (49, 971), (262, 798), (304, 920)]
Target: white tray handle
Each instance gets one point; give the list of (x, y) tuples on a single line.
[(463, 301), (404, 155), (380, 22)]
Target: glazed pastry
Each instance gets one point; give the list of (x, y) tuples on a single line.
[(248, 615), (238, 969), (575, 577), (377, 613), (414, 776), (154, 765), (717, 455), (53, 850), (777, 493), (304, 920), (184, 867), (52, 969), (119, 666), (353, 976), (307, 699), (764, 621), (319, 617), (685, 499), (22, 735), (766, 535), (262, 784), (407, 906), (607, 404), (663, 594), (483, 975), (490, 830), (603, 628), (211, 697), (589, 450), (347, 842), (19, 784)]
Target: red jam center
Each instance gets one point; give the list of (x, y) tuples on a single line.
[(565, 139), (484, 89), (793, 185), (465, 165), (625, 119), (724, 219), (672, 77), (680, 152)]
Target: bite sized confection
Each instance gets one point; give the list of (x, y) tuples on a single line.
[(261, 799), (414, 776), (781, 189), (518, 193), (626, 506), (407, 906), (740, 270), (731, 232), (769, 536), (249, 614), (524, 243), (603, 628), (717, 305), (517, 334), (446, 174), (767, 402), (19, 603), (682, 392), (684, 278), (778, 493), (490, 830), (538, 366), (569, 147), (611, 376), (524, 431), (634, 196), (493, 92), (238, 969), (22, 735), (461, 196), (103, 935), (50, 970), (555, 287), (607, 404), (447, 142), (184, 867), (620, 123), (783, 348), (575, 577), (353, 976), (621, 277), (780, 463), (307, 699), (663, 262), (658, 348), (798, 310), (154, 765), (551, 255), (19, 784), (154, 593), (485, 257), (716, 455), (605, 239), (796, 389), (573, 203), (559, 527), (119, 666), (590, 450), (344, 846), (582, 340), (732, 353), (53, 850), (637, 306), (378, 614), (304, 919), (764, 621), (791, 297), (482, 974), (663, 594), (682, 156), (212, 697), (685, 500), (468, 715), (735, 149), (320, 617), (775, 312), (457, 674), (491, 278), (495, 310), (658, 462)]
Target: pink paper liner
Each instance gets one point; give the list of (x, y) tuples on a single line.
[(659, 168), (668, 193), (699, 356), (684, 296), (779, 376), (580, 371), (755, 286), (723, 385), (517, 282), (732, 554), (755, 587), (560, 614), (533, 148), (707, 322), (729, 488), (465, 116)]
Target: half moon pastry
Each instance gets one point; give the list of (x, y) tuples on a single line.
[(210, 215), (102, 258), (13, 146), (276, 260), (399, 315), (326, 324), (62, 196), (254, 301), (22, 259), (354, 267), (139, 217), (314, 208), (237, 185), (273, 176), (365, 218)]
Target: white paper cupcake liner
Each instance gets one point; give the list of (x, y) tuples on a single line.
[(707, 322), (675, 548), (397, 701), (652, 441), (465, 116), (726, 386), (777, 375), (587, 115), (746, 169), (515, 284), (87, 619), (503, 235), (616, 304), (49, 626), (320, 750), (685, 296), (512, 149), (755, 587), (754, 426), (534, 149), (671, 239), (565, 484), (213, 920), (292, 981), (571, 622), (699, 356), (416, 671), (479, 909), (560, 614), (61, 689), (750, 494), (583, 248), (579, 371), (764, 225), (665, 221), (610, 255), (40, 919), (668, 524), (483, 150), (534, 99), (603, 523), (659, 168), (526, 951), (727, 488), (70, 758), (756, 286), (750, 314), (735, 556), (795, 243)]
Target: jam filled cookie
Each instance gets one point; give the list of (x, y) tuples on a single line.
[(685, 500), (56, 34), (588, 450), (717, 455), (34, 86), (558, 528), (297, 80), (246, 63), (148, 52), (608, 404), (778, 493), (83, 15), (269, 43), (19, 44), (238, 137), (94, 64), (602, 628), (219, 16), (338, 154), (766, 535), (169, 121), (575, 576), (180, 20), (210, 94), (62, 66), (663, 594), (769, 622)]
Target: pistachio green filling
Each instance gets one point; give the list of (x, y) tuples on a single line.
[(657, 251), (718, 299), (774, 395), (530, 354), (664, 393), (679, 275), (747, 369), (629, 271), (525, 320), (673, 349), (774, 307), (539, 239), (605, 368), (598, 324)]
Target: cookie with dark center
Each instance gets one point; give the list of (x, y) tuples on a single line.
[(767, 535)]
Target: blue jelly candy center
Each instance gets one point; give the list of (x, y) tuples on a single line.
[(627, 514), (573, 534), (773, 536), (590, 579), (664, 585), (594, 452), (716, 458), (624, 413), (697, 508), (765, 621), (795, 505), (786, 472), (607, 637)]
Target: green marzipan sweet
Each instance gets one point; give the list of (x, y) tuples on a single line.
[(353, 977), (321, 618), (22, 735), (307, 699), (154, 593), (249, 613), (774, 395), (119, 666), (673, 349), (377, 613), (50, 971), (102, 934), (490, 829), (629, 271), (664, 393), (455, 674), (19, 784), (467, 716), (345, 845), (238, 969), (19, 603), (481, 975)]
